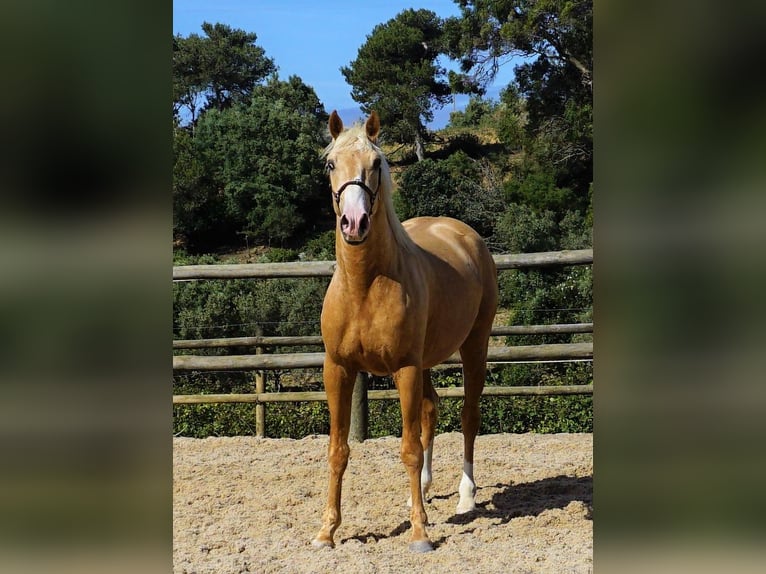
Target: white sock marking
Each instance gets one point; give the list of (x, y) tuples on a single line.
[(425, 474), (467, 489)]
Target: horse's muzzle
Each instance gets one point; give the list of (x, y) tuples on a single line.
[(355, 216), (355, 229)]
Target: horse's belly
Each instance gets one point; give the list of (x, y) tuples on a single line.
[(443, 340), (462, 276)]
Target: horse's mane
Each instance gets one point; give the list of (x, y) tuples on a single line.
[(355, 138)]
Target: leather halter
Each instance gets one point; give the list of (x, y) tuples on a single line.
[(373, 194)]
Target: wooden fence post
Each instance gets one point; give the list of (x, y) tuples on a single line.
[(359, 409), (260, 387)]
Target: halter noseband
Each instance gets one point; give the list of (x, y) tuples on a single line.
[(373, 194)]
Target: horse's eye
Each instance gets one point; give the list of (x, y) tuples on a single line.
[(329, 166), (376, 163)]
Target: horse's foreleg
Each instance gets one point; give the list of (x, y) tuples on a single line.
[(339, 384), (409, 382)]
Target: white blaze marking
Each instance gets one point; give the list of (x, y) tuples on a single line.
[(354, 199), (354, 208)]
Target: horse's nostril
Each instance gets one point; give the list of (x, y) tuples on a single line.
[(343, 222), (364, 224)]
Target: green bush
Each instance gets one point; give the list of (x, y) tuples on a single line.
[(452, 187), (544, 414), (476, 113), (321, 247), (280, 255)]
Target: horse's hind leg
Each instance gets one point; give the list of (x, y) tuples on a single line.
[(474, 356), (429, 414)]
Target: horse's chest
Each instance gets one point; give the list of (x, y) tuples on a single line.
[(374, 335)]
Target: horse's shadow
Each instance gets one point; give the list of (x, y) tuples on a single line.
[(512, 501), (531, 499)]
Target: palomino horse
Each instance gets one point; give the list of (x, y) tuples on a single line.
[(403, 298)]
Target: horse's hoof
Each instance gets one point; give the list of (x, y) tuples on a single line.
[(421, 546), (322, 543), (465, 508)]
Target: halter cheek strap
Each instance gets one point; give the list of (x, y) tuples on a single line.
[(373, 194)]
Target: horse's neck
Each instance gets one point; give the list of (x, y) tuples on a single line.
[(380, 254)]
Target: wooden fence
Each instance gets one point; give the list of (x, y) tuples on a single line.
[(261, 362)]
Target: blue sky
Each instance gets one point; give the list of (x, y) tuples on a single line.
[(314, 39)]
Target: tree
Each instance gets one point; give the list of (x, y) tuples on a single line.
[(216, 70), (198, 209), (263, 160), (550, 101), (490, 31), (475, 113), (396, 74), (252, 169)]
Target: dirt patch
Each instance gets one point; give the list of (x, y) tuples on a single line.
[(243, 504)]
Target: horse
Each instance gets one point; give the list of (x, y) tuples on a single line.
[(403, 298)]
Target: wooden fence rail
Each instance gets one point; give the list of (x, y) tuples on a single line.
[(306, 340), (262, 362), (327, 268), (393, 394), (554, 352)]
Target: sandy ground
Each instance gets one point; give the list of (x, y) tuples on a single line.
[(243, 504)]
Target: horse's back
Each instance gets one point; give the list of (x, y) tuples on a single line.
[(454, 242)]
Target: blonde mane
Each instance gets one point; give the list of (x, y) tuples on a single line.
[(355, 139)]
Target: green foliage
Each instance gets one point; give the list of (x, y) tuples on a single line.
[(199, 214), (216, 70), (235, 308), (478, 112), (563, 145), (558, 32), (396, 74), (297, 420), (503, 414), (264, 157), (538, 191), (200, 421), (463, 140), (284, 420), (321, 247), (280, 255), (253, 170), (240, 307), (545, 295), (499, 414), (548, 108), (452, 187), (521, 229), (537, 414)]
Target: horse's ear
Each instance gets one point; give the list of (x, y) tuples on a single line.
[(372, 127), (336, 124)]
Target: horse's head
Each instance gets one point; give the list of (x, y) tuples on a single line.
[(354, 164)]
